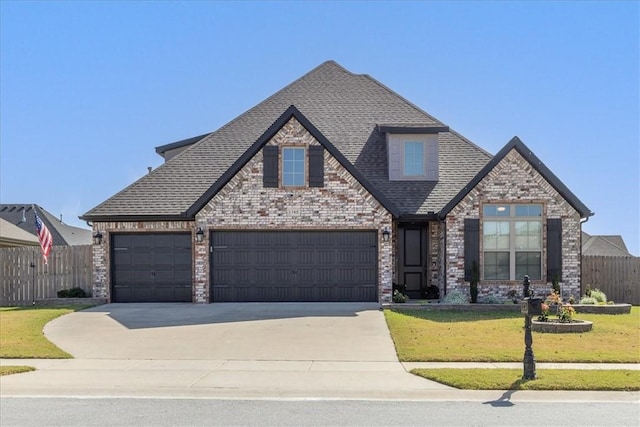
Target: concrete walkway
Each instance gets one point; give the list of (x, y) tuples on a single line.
[(238, 379)]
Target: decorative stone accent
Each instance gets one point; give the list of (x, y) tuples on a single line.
[(514, 180), (555, 327)]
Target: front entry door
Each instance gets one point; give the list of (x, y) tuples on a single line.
[(413, 260)]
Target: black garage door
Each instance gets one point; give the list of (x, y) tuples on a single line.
[(303, 266), (151, 267)]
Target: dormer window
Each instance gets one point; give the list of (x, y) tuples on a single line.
[(413, 157)]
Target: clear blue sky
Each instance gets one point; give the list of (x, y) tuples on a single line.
[(88, 89)]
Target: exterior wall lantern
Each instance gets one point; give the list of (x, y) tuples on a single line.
[(200, 235), (386, 234), (97, 238)]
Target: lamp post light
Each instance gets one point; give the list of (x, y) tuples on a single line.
[(200, 235), (97, 238), (530, 306)]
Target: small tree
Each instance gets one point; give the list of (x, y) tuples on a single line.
[(555, 284), (473, 285)]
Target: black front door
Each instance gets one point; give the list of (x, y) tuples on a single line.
[(412, 242)]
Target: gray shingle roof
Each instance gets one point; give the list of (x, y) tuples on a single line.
[(604, 246), (22, 216), (346, 108)]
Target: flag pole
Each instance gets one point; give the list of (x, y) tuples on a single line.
[(33, 279)]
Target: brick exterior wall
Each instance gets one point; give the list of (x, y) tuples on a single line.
[(244, 203), (513, 180), (101, 261)]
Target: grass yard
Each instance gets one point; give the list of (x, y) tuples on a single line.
[(9, 370), (549, 379), (21, 335), (453, 336)]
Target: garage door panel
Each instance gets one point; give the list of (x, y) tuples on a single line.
[(151, 267), (294, 266)]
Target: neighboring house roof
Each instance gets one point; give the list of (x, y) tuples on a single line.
[(23, 217), (346, 109), (604, 246), (12, 236), (541, 168)]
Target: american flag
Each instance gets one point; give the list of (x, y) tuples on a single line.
[(45, 238)]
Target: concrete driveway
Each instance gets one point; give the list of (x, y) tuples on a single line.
[(244, 331)]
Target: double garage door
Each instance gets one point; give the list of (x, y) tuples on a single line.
[(303, 266), (248, 266)]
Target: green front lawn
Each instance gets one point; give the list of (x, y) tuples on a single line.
[(453, 336), (8, 370), (21, 335), (548, 379)]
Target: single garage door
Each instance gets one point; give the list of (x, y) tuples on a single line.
[(302, 266), (153, 267)]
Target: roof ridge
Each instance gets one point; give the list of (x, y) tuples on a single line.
[(264, 101), (396, 94)]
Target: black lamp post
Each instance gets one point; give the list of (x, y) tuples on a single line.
[(530, 307)]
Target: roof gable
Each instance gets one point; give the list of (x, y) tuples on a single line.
[(536, 163), (291, 112)]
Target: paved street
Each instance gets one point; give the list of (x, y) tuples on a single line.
[(500, 411)]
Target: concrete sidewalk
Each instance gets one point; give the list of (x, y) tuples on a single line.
[(241, 379)]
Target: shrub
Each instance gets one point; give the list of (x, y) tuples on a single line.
[(432, 292), (588, 300), (399, 297), (72, 293), (566, 312), (455, 297), (598, 295), (400, 287), (491, 299)]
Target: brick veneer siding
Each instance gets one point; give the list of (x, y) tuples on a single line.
[(514, 180), (101, 260), (244, 203)]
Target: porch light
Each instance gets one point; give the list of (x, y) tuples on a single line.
[(200, 235), (386, 234), (97, 238)]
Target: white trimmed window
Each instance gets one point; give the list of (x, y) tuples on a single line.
[(512, 241), (293, 166)]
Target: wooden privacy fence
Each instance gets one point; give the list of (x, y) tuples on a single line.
[(617, 277), (24, 277)]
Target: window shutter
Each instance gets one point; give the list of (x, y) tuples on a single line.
[(270, 169), (395, 162), (432, 158), (316, 166), (471, 247), (554, 249)]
